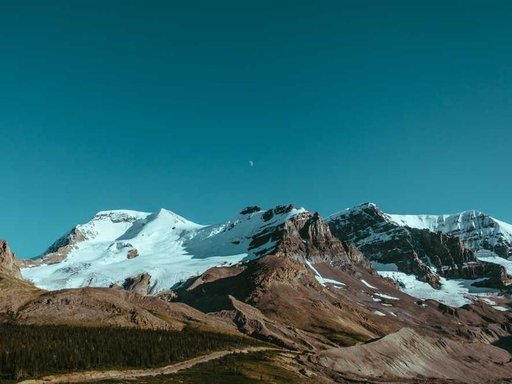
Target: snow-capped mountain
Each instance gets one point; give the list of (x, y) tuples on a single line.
[(447, 257), (367, 225), (116, 245), (421, 250), (479, 231)]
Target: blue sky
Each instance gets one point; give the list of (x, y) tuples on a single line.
[(148, 104)]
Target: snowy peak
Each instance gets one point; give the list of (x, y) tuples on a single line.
[(109, 225), (358, 209), (443, 223), (368, 212), (116, 245), (478, 230), (237, 235), (168, 216), (429, 248), (158, 223), (430, 222)]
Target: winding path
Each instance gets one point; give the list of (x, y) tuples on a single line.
[(88, 376)]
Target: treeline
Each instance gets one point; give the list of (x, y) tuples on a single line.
[(31, 351)]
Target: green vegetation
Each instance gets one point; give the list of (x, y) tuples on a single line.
[(31, 351), (256, 367)]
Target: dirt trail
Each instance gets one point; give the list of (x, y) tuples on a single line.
[(80, 377)]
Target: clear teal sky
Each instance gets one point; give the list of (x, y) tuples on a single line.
[(149, 104)]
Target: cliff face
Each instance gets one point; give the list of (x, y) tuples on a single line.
[(306, 236), (453, 259), (8, 263), (477, 230), (428, 255)]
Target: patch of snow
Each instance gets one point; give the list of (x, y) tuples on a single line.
[(331, 281), (455, 293), (322, 280), (488, 301), (506, 229), (368, 284), (418, 221), (386, 296), (379, 313)]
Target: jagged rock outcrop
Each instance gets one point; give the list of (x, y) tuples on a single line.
[(305, 236), (421, 252), (139, 284), (8, 262), (452, 259), (250, 209), (132, 254), (59, 250)]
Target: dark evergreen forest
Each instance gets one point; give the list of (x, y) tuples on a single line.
[(31, 351)]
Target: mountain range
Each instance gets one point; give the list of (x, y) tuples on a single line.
[(465, 252), (358, 296)]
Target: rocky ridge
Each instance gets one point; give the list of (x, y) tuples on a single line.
[(423, 252)]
